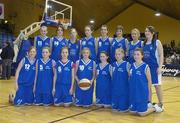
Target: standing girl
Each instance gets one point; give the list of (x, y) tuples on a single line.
[(118, 42), (89, 42), (153, 56), (65, 80), (45, 77), (25, 75), (42, 41), (58, 42), (120, 85), (135, 43), (85, 68), (140, 86), (74, 47), (103, 81), (104, 43)]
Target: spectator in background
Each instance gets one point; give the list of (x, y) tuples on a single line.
[(175, 58), (168, 60), (7, 55)]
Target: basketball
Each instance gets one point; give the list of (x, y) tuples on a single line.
[(84, 84)]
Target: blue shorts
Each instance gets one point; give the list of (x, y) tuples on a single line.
[(43, 99), (120, 103), (156, 79), (24, 95), (139, 107), (62, 94), (84, 98)]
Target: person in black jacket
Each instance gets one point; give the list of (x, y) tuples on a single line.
[(7, 55)]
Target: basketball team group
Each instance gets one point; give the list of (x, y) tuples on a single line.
[(64, 72)]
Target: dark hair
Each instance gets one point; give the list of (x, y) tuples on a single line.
[(140, 50), (8, 43), (60, 26), (104, 26), (104, 52), (153, 31)]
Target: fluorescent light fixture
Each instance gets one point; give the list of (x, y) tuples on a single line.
[(5, 21), (91, 21), (157, 14)]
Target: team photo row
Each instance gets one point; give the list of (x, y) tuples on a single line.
[(64, 72)]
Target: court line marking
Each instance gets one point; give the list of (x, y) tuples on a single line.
[(78, 114), (54, 121)]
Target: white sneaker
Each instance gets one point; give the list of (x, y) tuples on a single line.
[(157, 108), (150, 105)]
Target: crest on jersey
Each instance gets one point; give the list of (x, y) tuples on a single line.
[(100, 44), (83, 42), (59, 69), (81, 67), (41, 67), (39, 43), (90, 43), (138, 72)]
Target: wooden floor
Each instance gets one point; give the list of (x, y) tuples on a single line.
[(36, 114)]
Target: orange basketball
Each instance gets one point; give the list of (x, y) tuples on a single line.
[(84, 84)]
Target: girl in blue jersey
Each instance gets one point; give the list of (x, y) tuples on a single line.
[(153, 56), (120, 85), (135, 43), (45, 79), (85, 68), (74, 47), (24, 78), (103, 42), (42, 41), (58, 42), (103, 81), (89, 42), (65, 80), (118, 42), (140, 86)]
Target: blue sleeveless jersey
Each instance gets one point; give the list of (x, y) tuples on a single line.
[(150, 54), (115, 45), (103, 85), (64, 72), (120, 85), (131, 49), (103, 45), (74, 49), (45, 76), (89, 43), (27, 73), (138, 84), (57, 45), (40, 43), (85, 70)]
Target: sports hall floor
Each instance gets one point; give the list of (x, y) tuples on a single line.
[(40, 114)]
